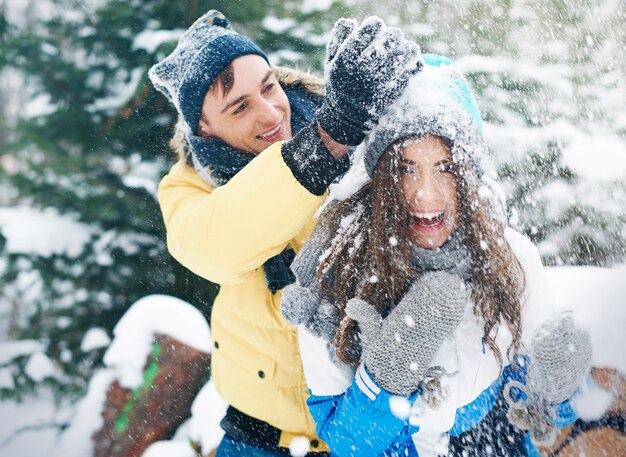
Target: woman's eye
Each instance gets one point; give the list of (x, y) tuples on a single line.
[(269, 87), (448, 168), (406, 170)]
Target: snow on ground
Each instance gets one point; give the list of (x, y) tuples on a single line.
[(598, 298), (87, 419)]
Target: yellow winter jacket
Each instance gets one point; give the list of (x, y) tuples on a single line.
[(225, 234)]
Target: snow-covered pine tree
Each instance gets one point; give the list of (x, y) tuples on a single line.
[(564, 170), (85, 238)]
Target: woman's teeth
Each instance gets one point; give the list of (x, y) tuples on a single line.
[(429, 219)]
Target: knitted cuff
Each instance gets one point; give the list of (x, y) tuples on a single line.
[(311, 162)]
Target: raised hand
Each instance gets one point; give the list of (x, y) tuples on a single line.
[(341, 30), (398, 350), (367, 68), (560, 358)]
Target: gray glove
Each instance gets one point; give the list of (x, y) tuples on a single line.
[(560, 358), (399, 349), (367, 68)]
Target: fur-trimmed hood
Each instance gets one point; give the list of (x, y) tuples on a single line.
[(287, 77)]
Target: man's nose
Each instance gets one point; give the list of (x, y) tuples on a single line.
[(269, 113)]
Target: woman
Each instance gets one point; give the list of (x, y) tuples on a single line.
[(418, 307)]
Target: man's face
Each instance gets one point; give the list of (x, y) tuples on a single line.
[(254, 114)]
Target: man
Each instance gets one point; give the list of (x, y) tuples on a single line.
[(243, 196)]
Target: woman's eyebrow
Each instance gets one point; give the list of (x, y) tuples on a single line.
[(410, 162)]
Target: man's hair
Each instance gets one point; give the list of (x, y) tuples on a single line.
[(224, 80)]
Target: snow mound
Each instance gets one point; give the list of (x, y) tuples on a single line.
[(169, 449), (147, 317), (76, 440), (207, 411)]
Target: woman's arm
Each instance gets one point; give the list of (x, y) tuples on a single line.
[(559, 353), (351, 410)]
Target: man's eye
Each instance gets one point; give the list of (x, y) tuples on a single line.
[(241, 108), (269, 87)]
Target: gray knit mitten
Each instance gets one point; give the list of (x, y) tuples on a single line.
[(301, 305), (399, 349), (301, 302), (560, 358)]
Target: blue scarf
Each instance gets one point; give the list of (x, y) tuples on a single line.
[(224, 162)]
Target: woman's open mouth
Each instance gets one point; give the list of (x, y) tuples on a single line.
[(428, 221)]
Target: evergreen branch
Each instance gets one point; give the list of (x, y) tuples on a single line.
[(33, 428)]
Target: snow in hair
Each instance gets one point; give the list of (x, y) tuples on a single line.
[(438, 101)]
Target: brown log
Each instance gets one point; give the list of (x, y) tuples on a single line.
[(154, 410), (596, 441)]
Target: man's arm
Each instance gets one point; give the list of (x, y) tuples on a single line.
[(224, 234), (337, 150)]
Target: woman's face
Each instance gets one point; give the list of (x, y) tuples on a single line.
[(429, 184)]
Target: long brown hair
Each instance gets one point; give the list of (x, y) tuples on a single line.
[(370, 257)]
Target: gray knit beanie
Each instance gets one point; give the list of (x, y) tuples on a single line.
[(202, 52), (438, 101)]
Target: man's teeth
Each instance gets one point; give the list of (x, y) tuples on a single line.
[(271, 132)]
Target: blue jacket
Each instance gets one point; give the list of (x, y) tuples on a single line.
[(360, 422)]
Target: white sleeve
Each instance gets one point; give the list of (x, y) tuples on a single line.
[(323, 376), (539, 302)]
